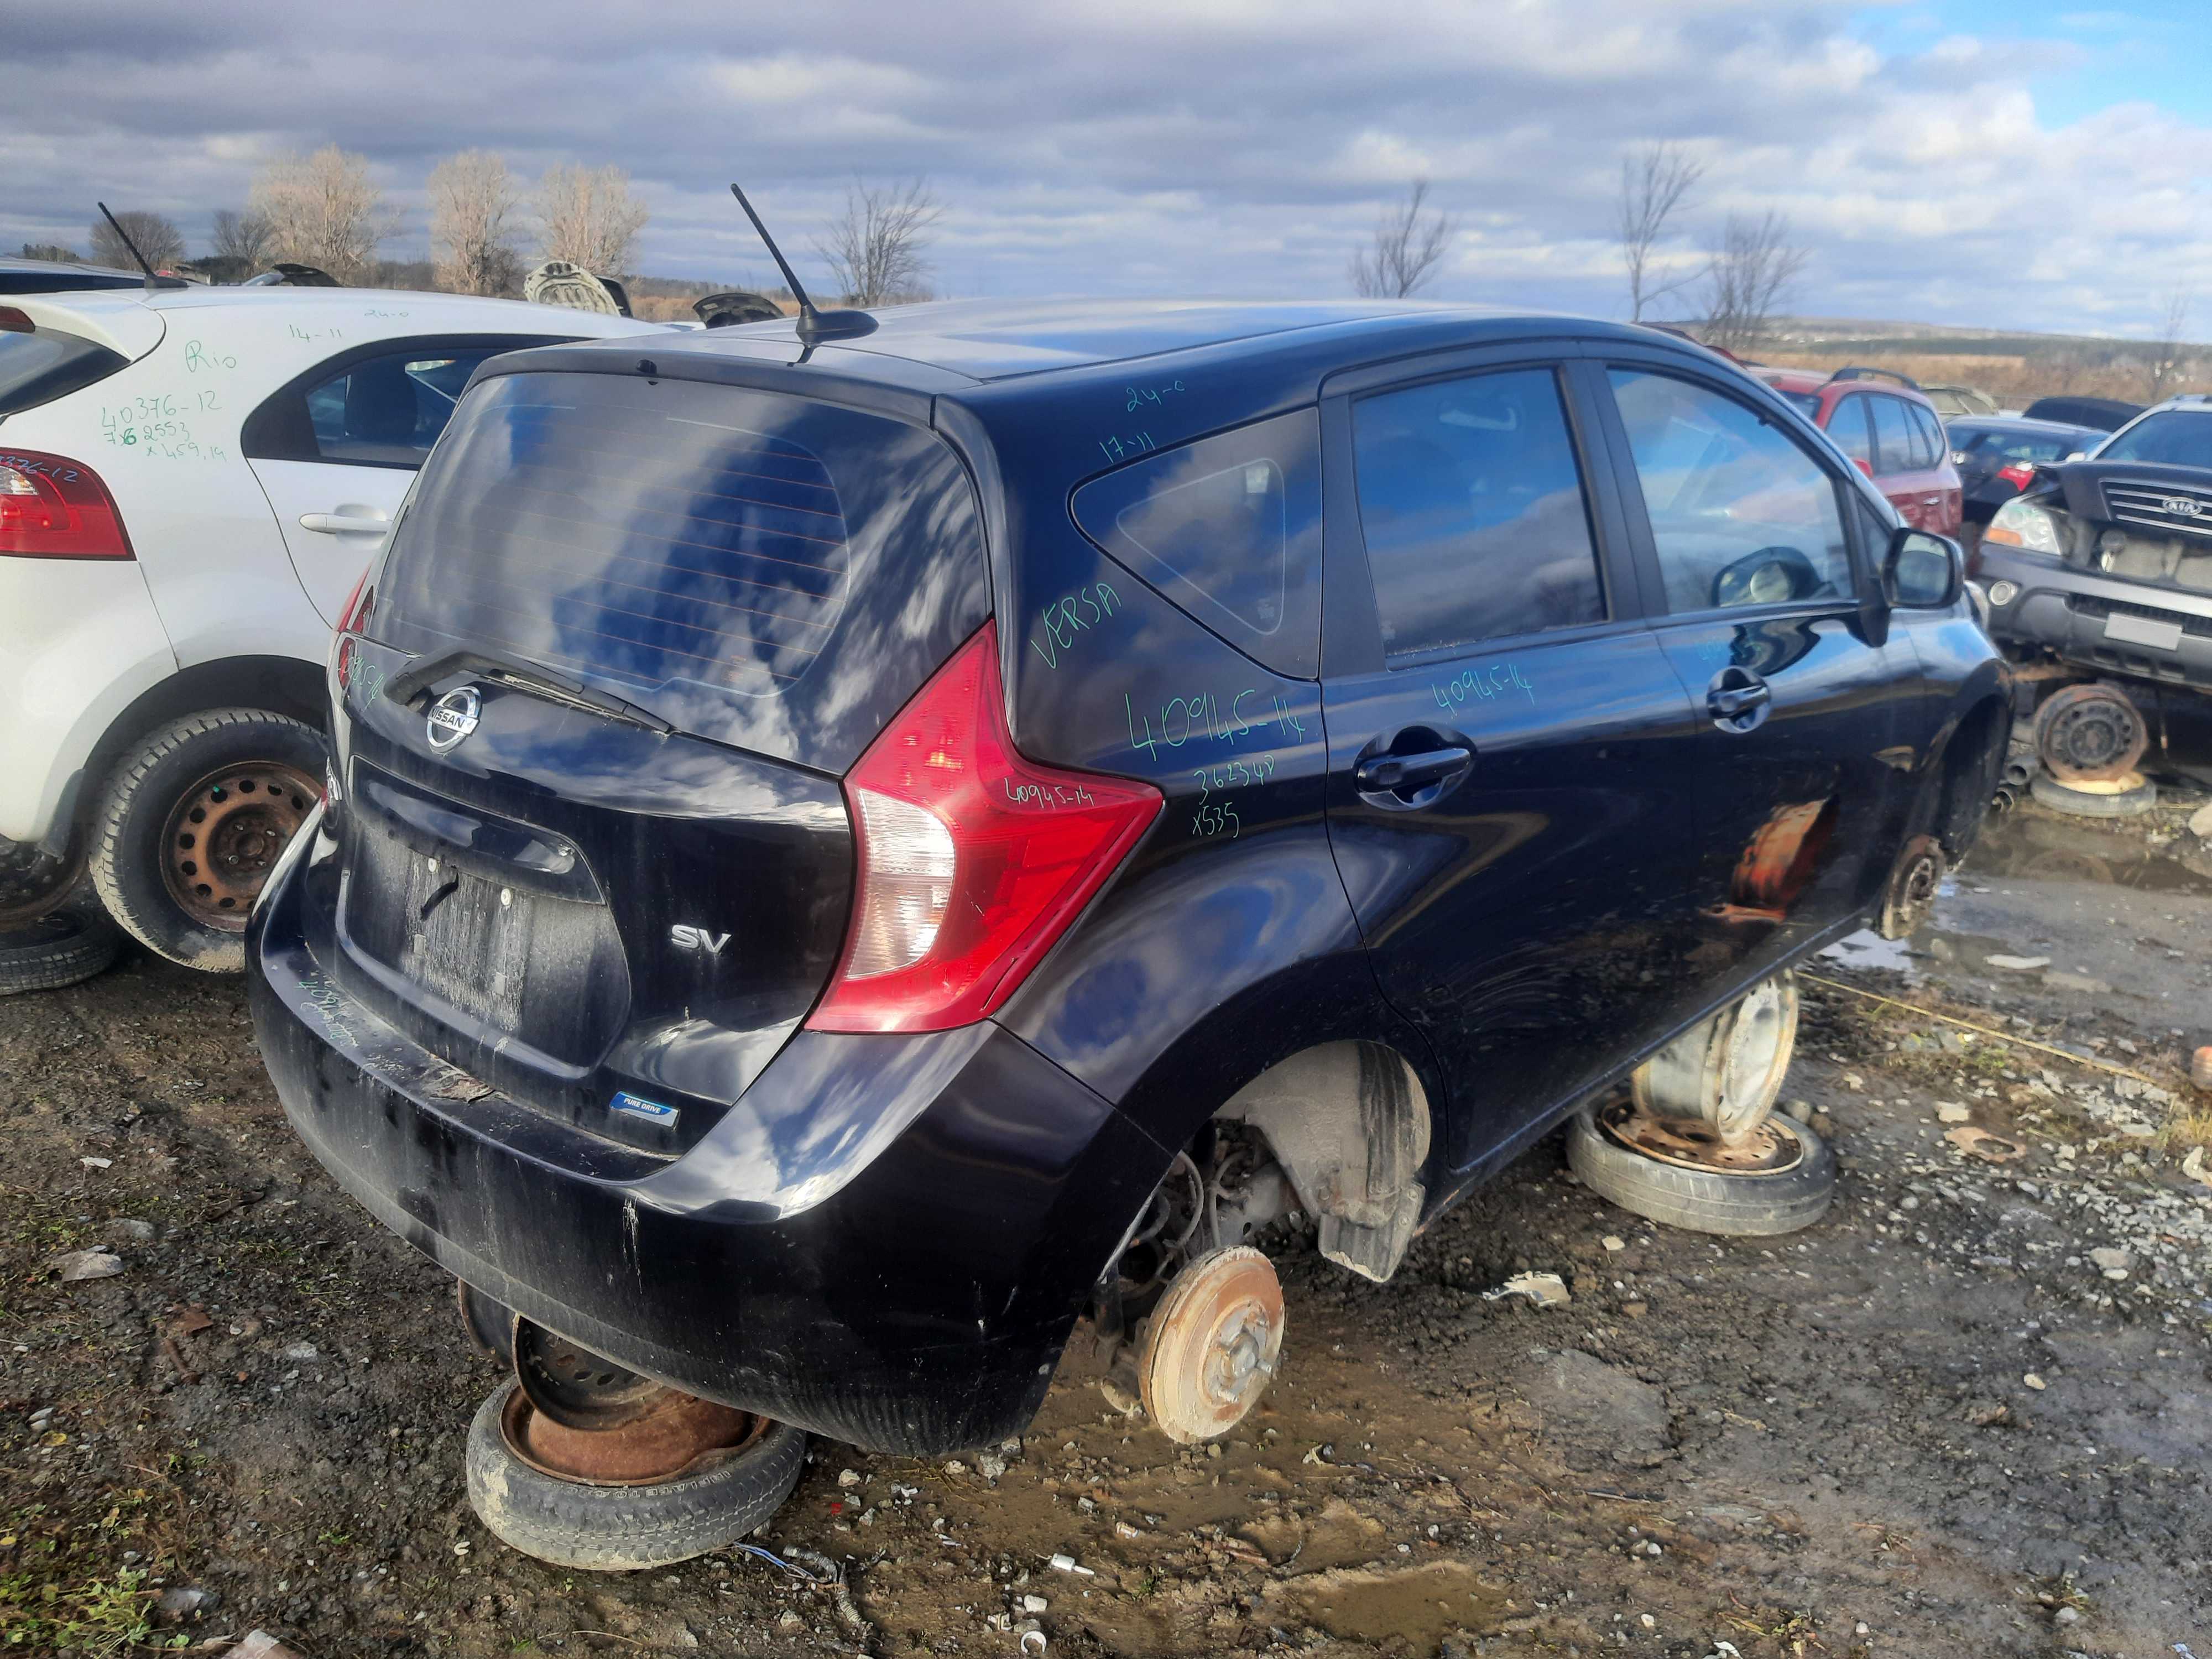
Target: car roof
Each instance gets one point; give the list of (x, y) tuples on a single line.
[(982, 340), (2018, 423), (448, 307), (1792, 380)]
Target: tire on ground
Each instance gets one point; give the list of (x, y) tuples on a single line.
[(132, 819), (2123, 797), (60, 948), (1733, 1205), (624, 1528)]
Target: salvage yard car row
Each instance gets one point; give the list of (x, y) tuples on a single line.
[(827, 855)]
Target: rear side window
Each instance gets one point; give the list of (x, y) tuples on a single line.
[(43, 365), (1472, 506), (1894, 445), (1930, 450), (377, 408), (716, 554), (1848, 427), (1228, 529)]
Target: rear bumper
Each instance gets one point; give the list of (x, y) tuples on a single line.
[(887, 1241), (2064, 609), (79, 643)]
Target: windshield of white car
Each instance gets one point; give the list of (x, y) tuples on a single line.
[(2173, 438)]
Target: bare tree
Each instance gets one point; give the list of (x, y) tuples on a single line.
[(244, 238), (2169, 354), (874, 249), (157, 238), (590, 218), (322, 210), (1407, 245), (54, 251), (1747, 277), (1654, 182), (472, 203)]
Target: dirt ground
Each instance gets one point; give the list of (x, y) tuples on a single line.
[(1931, 1424)]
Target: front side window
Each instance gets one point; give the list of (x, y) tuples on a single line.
[(1740, 514), (1472, 503)]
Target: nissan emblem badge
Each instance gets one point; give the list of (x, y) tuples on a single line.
[(452, 717)]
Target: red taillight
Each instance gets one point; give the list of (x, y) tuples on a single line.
[(972, 860), (52, 508), (353, 617), (2018, 474)]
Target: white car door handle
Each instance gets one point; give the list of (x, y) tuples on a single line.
[(338, 523)]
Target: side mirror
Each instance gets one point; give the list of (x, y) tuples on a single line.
[(1923, 572)]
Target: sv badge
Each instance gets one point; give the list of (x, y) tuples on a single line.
[(685, 936)]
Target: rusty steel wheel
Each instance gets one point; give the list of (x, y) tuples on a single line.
[(1770, 1146), (224, 834), (1914, 882), (2089, 733), (1212, 1344), (1775, 1181), (34, 883)]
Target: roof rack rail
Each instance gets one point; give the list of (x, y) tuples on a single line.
[(1860, 373)]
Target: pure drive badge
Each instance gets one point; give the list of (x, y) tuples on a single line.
[(452, 717), (652, 1111)]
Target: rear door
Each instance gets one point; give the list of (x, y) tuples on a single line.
[(336, 448), (1510, 792), (1748, 537)]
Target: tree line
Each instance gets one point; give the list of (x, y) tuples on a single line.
[(326, 210)]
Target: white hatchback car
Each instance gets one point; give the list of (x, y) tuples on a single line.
[(192, 482)]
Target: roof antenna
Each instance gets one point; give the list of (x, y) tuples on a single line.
[(814, 326), (153, 281)]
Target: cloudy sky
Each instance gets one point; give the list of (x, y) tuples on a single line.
[(2008, 163)]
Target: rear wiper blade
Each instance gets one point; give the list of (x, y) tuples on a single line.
[(404, 689)]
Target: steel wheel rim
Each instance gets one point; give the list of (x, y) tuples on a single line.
[(1754, 1045), (225, 834), (1772, 1147)]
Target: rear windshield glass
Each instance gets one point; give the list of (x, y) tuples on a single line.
[(2172, 440), (740, 562), (38, 367), (1984, 444), (1228, 529)]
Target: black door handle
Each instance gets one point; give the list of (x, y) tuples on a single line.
[(1738, 699), (1400, 774)]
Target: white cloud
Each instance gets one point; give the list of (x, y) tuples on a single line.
[(1191, 146)]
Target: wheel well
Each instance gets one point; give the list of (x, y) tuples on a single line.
[(1351, 1123), (282, 685), (1972, 761)]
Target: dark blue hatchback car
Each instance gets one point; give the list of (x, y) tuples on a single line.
[(844, 858)]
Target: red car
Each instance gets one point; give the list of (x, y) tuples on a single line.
[(1891, 430)]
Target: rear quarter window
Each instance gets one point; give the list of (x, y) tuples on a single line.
[(762, 570), (38, 366), (1228, 530)]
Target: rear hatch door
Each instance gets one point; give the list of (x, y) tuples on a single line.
[(630, 633)]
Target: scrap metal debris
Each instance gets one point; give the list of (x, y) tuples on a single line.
[(1544, 1290), (1980, 1142), (94, 1263)]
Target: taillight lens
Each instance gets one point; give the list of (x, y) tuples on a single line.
[(972, 860), (52, 508), (2018, 474), (353, 617)]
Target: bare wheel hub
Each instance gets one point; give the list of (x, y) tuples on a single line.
[(1212, 1344), (1770, 1147), (1913, 885), (224, 834)]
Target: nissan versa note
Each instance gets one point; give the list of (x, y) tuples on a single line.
[(847, 850)]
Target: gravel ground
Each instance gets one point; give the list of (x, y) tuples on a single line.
[(1970, 1412)]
